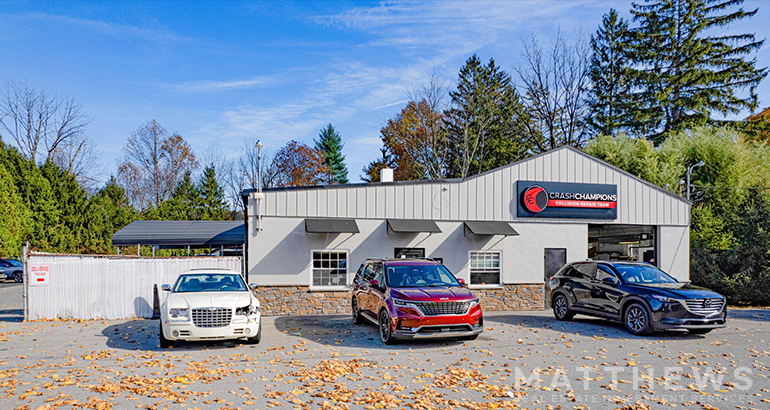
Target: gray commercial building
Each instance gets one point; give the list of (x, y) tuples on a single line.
[(503, 231)]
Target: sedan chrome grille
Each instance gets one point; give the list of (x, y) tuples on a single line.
[(705, 306), (212, 317), (443, 308)]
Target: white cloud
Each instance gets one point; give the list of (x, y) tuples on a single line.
[(115, 29), (420, 36), (253, 82)]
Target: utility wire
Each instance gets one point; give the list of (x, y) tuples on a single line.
[(757, 188)]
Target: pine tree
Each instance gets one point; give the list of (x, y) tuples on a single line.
[(112, 205), (611, 105), (72, 201), (212, 197), (686, 70), (184, 204), (14, 217), (37, 196), (484, 121), (330, 143)]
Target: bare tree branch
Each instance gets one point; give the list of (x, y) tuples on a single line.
[(555, 84)]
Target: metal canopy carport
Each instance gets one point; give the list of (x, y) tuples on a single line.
[(181, 234), (412, 226)]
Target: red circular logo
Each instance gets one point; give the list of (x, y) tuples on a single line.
[(535, 199)]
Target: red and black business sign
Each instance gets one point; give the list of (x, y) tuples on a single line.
[(566, 200)]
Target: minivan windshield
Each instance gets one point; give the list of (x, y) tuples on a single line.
[(642, 274), (210, 282), (417, 276)]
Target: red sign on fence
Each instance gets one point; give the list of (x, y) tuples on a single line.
[(39, 275)]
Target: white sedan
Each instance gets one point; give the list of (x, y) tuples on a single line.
[(209, 304)]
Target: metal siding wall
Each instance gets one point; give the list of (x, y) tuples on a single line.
[(89, 287), (485, 197)]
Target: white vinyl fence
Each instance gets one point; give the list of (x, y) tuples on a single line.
[(103, 287)]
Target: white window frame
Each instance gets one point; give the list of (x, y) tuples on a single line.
[(347, 271), (470, 269)]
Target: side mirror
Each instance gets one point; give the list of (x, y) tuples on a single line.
[(165, 288), (374, 283), (609, 281), (461, 281), (253, 286)]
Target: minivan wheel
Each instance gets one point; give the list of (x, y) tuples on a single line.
[(386, 335), (637, 320), (357, 319), (18, 277), (561, 308)]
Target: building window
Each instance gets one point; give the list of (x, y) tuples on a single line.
[(485, 268), (330, 268)]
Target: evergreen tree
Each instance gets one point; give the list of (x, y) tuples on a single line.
[(685, 69), (485, 120), (13, 218), (184, 204), (611, 103), (212, 197), (37, 196), (330, 143), (110, 212), (72, 201)]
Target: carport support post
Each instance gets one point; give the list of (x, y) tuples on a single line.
[(25, 295)]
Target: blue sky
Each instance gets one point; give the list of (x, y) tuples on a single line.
[(223, 73)]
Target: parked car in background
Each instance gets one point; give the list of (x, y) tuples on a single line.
[(637, 294), (12, 269), (414, 298), (209, 304)]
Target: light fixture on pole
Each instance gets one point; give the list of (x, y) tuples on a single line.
[(259, 147), (258, 195), (689, 173)]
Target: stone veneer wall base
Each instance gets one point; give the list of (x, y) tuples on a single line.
[(300, 300)]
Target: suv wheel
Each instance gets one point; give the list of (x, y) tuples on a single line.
[(637, 320), (386, 335), (357, 319), (561, 308)]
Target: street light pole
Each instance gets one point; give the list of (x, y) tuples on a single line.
[(689, 173), (259, 165), (259, 147)]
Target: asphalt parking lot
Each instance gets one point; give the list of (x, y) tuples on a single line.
[(522, 360)]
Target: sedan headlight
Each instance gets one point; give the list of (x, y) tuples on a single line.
[(474, 302), (177, 313), (665, 299)]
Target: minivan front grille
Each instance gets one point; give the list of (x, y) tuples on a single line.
[(705, 306), (443, 308), (212, 317)]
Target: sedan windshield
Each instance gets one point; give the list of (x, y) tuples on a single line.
[(209, 282), (642, 274), (416, 276), (14, 262)]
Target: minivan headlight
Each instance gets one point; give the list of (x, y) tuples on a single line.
[(665, 299), (176, 313)]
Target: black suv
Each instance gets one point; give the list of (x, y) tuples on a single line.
[(638, 294)]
